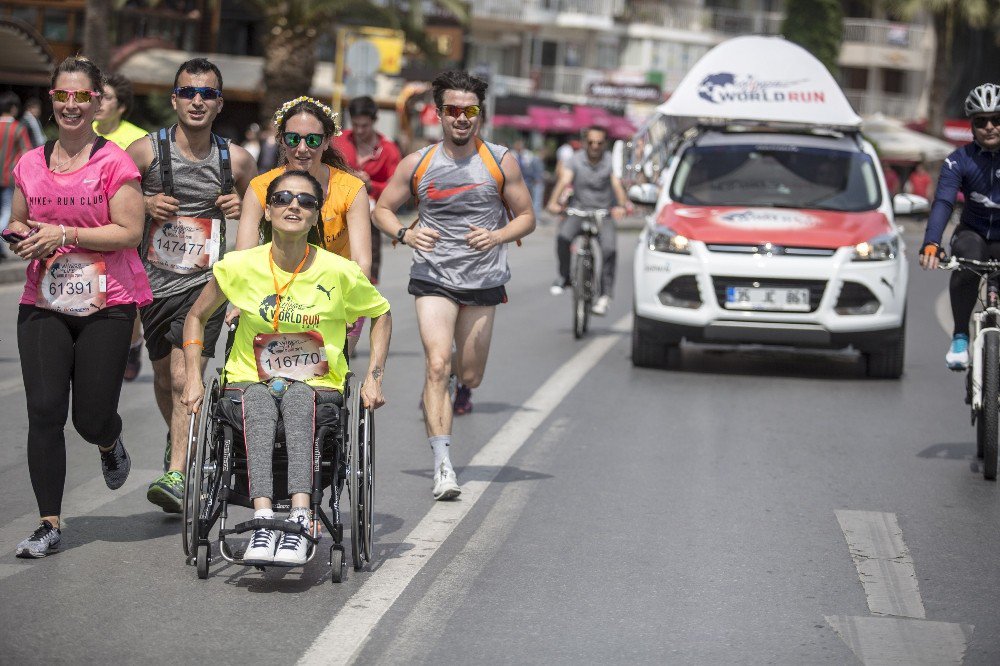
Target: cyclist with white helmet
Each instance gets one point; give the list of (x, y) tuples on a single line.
[(973, 170)]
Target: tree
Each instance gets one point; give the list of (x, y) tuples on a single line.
[(945, 16), (817, 26), (96, 41)]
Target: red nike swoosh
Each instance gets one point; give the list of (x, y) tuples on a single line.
[(436, 194)]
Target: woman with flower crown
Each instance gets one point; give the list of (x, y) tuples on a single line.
[(305, 128)]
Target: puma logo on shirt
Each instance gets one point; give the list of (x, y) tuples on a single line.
[(326, 291)]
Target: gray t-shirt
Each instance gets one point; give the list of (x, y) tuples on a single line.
[(453, 196), (591, 182), (197, 185)]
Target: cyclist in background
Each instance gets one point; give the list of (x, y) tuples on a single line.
[(971, 170), (595, 187)]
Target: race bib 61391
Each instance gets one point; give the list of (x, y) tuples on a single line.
[(75, 283)]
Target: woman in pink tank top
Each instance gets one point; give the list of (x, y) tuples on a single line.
[(78, 206)]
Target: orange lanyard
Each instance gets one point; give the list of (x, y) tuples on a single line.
[(278, 291)]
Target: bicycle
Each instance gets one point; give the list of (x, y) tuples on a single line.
[(583, 269), (983, 378)]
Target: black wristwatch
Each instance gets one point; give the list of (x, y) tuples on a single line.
[(401, 233)]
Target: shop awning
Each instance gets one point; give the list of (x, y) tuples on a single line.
[(26, 59)]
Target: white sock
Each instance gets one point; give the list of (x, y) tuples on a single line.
[(439, 445), (264, 513)]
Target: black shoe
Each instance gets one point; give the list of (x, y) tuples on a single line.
[(134, 363), (116, 464), (43, 541)]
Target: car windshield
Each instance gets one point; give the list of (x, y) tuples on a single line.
[(783, 176)]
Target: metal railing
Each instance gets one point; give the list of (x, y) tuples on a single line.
[(540, 11), (892, 105), (567, 80), (884, 33)]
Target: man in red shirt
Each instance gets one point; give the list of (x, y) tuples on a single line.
[(14, 142), (919, 182), (372, 155)]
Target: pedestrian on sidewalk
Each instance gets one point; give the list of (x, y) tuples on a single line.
[(14, 142)]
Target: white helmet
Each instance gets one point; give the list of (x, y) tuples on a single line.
[(983, 99)]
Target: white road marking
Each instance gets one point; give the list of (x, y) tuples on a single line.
[(349, 629), (81, 501), (886, 641), (942, 311), (418, 633), (883, 563)]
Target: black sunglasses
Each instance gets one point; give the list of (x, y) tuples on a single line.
[(982, 121), (292, 139), (190, 92), (285, 198)]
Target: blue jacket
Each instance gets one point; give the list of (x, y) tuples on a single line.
[(976, 173)]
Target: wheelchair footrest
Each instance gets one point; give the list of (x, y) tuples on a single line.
[(269, 524)]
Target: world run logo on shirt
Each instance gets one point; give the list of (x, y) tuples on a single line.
[(291, 312), (728, 87)]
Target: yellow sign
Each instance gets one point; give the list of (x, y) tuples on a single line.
[(389, 44)]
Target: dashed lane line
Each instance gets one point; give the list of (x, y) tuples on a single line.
[(347, 632), (890, 641)]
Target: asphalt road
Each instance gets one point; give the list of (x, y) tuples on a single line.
[(719, 513)]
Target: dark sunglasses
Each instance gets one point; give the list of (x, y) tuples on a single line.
[(982, 121), (596, 143), (292, 139), (470, 111), (190, 92), (285, 198), (81, 96)]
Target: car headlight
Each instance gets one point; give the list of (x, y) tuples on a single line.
[(664, 239), (880, 248)]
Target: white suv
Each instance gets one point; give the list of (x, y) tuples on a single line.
[(771, 237)]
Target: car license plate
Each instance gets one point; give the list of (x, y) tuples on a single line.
[(781, 299)]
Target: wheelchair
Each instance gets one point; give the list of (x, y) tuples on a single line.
[(217, 478)]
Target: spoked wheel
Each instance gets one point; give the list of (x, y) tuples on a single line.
[(581, 295), (199, 438), (351, 450), (367, 482), (990, 415)]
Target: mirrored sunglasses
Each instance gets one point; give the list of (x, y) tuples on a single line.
[(285, 198), (454, 111), (982, 121), (190, 92), (62, 95), (293, 139)]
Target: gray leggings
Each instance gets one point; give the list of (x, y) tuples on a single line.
[(260, 422)]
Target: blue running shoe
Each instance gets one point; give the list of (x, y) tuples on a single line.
[(957, 357)]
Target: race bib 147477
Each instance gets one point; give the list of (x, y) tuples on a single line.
[(184, 244), (298, 356), (75, 283)]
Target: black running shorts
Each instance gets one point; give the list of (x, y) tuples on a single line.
[(163, 324), (463, 297)]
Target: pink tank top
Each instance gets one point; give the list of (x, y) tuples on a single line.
[(81, 198)]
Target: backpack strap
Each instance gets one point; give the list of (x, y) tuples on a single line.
[(225, 163), (415, 178), (166, 168), (490, 160)]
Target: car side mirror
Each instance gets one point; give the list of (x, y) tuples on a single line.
[(644, 193), (909, 205)]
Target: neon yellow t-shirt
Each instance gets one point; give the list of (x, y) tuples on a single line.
[(324, 298), (124, 135)]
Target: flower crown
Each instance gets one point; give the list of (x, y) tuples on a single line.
[(279, 115)]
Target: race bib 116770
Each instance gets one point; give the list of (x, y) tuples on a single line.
[(299, 356), (184, 244), (75, 283)]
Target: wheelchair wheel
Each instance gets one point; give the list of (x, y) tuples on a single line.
[(353, 448), (336, 564), (199, 436), (204, 560), (367, 482)]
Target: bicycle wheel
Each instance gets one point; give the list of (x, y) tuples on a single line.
[(582, 283), (991, 403), (352, 448)]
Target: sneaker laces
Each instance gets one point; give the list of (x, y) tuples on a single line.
[(110, 457), (174, 478), (41, 533), (261, 536), (959, 344), (290, 541)]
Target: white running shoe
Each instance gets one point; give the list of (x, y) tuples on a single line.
[(600, 306), (293, 548), (558, 287), (445, 483), (261, 550), (957, 357)]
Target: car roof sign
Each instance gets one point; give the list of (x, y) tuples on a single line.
[(761, 80)]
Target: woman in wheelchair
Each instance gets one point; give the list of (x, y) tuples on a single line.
[(297, 300)]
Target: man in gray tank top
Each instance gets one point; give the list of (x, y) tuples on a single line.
[(595, 187), (183, 236), (459, 269)]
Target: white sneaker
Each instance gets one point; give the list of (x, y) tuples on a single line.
[(293, 548), (261, 550), (600, 306), (445, 483), (558, 287)]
